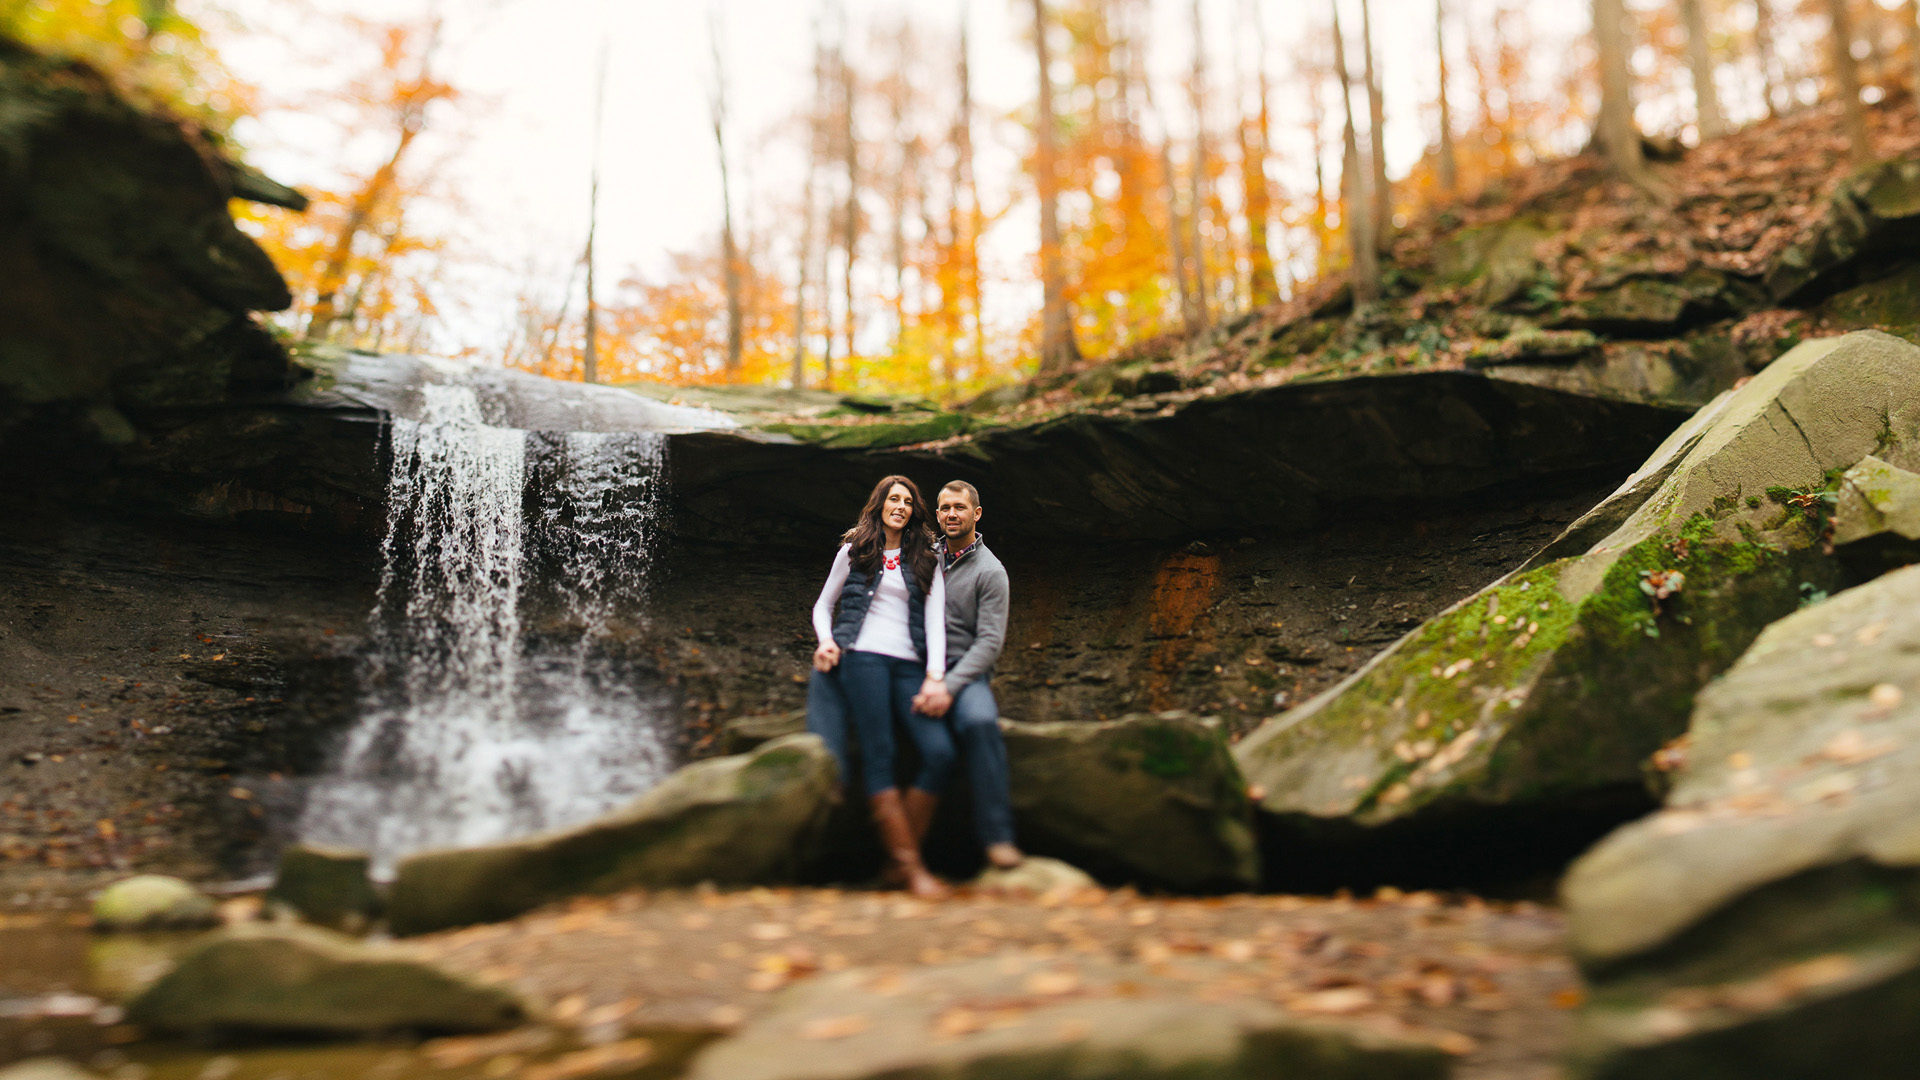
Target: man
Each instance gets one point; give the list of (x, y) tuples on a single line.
[(977, 602)]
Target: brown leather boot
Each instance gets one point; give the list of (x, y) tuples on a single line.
[(920, 807), (896, 835)]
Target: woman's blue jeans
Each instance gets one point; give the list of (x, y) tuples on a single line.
[(878, 690), (973, 723)]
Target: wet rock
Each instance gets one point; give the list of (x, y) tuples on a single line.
[(1151, 799), (1876, 517), (326, 886), (736, 820), (1764, 923), (1889, 303), (1874, 213), (1035, 876), (292, 978), (1027, 1017), (153, 902), (1555, 683), (45, 1068)]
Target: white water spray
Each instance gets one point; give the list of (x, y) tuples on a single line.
[(476, 727)]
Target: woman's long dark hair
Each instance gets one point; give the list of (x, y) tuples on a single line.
[(868, 537)]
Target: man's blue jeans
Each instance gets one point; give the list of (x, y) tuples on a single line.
[(973, 722)]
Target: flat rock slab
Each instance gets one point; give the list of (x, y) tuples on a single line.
[(1495, 977), (1764, 920), (734, 820), (1556, 682), (289, 978), (1018, 1016)]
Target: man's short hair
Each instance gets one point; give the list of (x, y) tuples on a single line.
[(973, 493)]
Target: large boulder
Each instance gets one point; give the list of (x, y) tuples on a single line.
[(1766, 923), (153, 902), (1153, 799), (1032, 1018), (733, 821), (300, 978), (1555, 683)]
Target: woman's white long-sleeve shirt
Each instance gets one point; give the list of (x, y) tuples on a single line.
[(885, 629)]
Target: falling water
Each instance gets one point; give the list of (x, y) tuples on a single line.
[(490, 710)]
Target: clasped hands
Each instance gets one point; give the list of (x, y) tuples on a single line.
[(932, 700)]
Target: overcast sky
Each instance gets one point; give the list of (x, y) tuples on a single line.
[(517, 151)]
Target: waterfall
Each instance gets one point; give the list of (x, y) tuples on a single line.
[(489, 710)]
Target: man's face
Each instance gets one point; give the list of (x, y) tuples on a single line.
[(956, 514)]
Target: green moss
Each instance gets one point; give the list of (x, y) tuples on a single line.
[(1173, 750), (925, 427)]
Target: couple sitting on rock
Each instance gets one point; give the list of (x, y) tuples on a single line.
[(909, 625)]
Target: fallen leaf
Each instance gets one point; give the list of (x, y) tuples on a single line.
[(623, 1056), (1336, 1002), (834, 1027)]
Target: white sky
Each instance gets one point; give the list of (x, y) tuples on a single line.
[(517, 150)]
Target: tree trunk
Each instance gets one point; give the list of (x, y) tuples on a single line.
[(1382, 209), (729, 249), (1365, 272), (1449, 163), (850, 236), (798, 376), (1263, 287), (1763, 45), (1618, 137), (963, 166), (1058, 349), (1846, 77), (1707, 115), (1197, 179)]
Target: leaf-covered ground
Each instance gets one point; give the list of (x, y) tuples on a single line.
[(1488, 981)]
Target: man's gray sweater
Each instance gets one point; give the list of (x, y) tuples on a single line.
[(977, 601)]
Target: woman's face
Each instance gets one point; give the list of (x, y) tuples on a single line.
[(898, 507)]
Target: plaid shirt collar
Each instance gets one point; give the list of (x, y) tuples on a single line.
[(952, 557)]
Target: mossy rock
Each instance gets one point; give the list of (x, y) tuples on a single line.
[(1872, 214), (1764, 923), (153, 902), (1556, 682), (292, 978), (1889, 303), (1152, 799), (899, 429), (740, 820), (1501, 258), (1657, 305)]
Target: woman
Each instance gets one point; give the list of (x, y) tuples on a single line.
[(888, 636)]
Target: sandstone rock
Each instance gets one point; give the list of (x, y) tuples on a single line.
[(153, 902), (1037, 875), (1876, 516), (1875, 211), (45, 1068), (326, 886), (733, 821), (1025, 1017), (1763, 924), (1650, 304), (1556, 682), (1150, 799), (299, 978)]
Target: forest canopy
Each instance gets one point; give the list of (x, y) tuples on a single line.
[(1154, 186)]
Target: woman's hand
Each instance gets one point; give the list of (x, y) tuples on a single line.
[(825, 657), (933, 699)]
